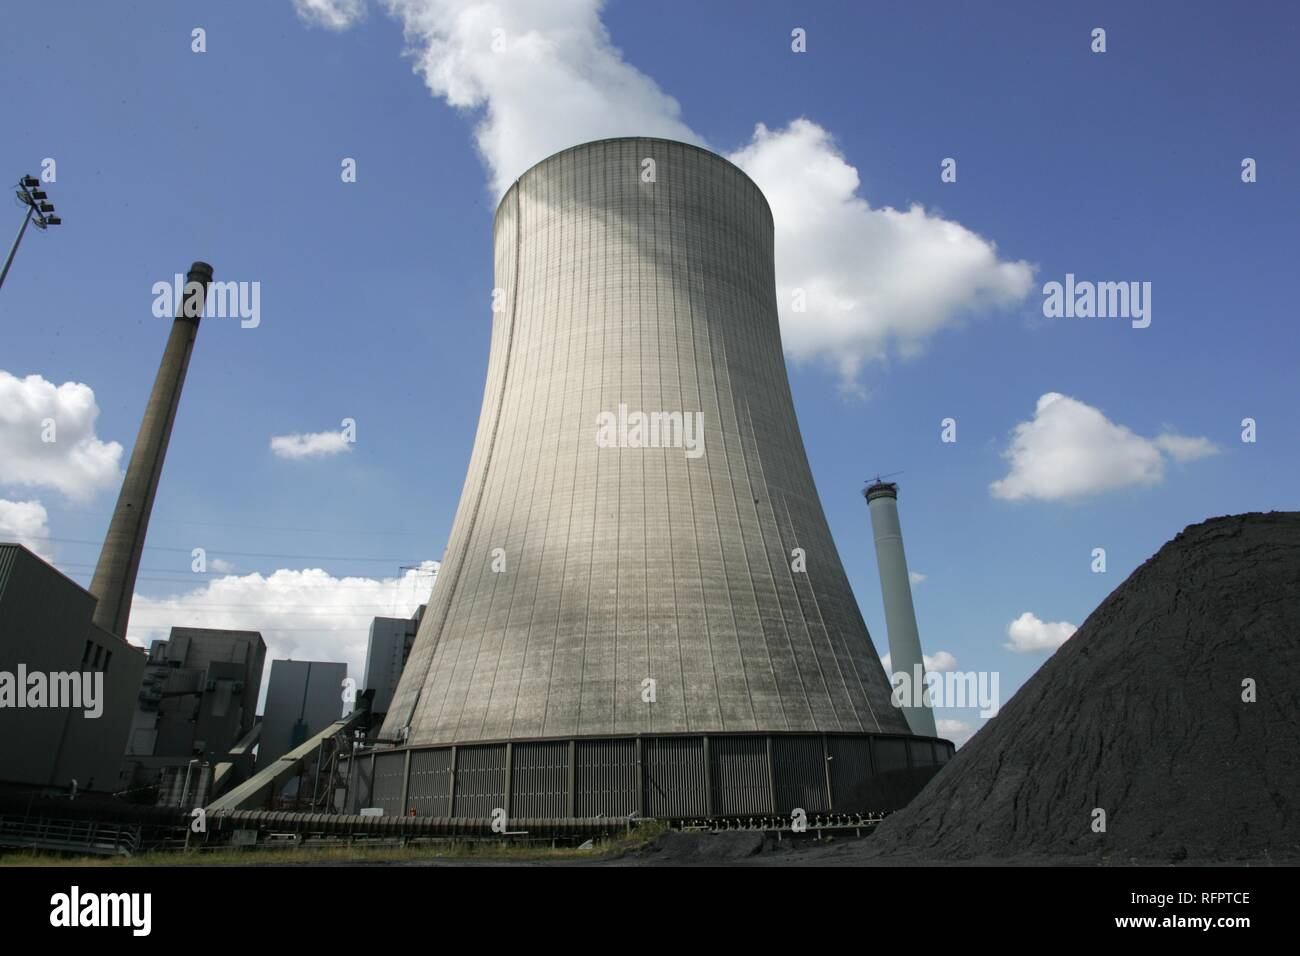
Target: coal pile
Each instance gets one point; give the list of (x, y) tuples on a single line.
[(1141, 714), (676, 848)]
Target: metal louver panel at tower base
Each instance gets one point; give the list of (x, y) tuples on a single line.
[(639, 548)]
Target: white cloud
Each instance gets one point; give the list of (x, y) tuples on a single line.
[(313, 445), (541, 77), (1071, 450), (306, 615), (958, 731), (220, 566), (1181, 448), (941, 661), (25, 523), (916, 577), (554, 80), (331, 14), (75, 462), (875, 281), (1028, 634)]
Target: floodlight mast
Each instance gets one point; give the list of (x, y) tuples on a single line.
[(38, 211)]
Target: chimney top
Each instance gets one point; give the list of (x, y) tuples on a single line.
[(879, 489)]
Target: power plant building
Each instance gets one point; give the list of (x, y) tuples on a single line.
[(641, 609), (387, 651), (197, 702), (46, 629), (302, 699), (49, 625)]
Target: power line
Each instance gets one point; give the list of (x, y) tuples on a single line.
[(266, 607), (243, 554), (263, 627), (208, 575), (228, 524), (333, 586)]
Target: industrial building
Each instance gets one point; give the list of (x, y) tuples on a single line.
[(635, 620), (46, 628), (191, 701), (302, 699), (387, 651), (197, 703), (641, 610)]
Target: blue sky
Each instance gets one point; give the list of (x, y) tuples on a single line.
[(1115, 166)]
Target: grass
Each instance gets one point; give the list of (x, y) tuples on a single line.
[(642, 835)]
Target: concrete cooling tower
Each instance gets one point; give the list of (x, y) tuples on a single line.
[(640, 609)]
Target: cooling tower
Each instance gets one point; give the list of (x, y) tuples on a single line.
[(641, 609)]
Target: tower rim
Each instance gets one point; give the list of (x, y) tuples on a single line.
[(514, 185)]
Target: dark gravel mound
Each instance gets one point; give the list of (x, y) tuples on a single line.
[(677, 848), (1141, 714)]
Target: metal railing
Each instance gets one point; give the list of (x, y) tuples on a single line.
[(71, 836)]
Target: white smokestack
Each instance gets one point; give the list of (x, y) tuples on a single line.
[(900, 616)]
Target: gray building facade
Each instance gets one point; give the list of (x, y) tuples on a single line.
[(302, 699), (639, 558), (387, 651), (199, 693), (46, 627)]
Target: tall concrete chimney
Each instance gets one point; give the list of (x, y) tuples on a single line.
[(119, 561), (896, 587)]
